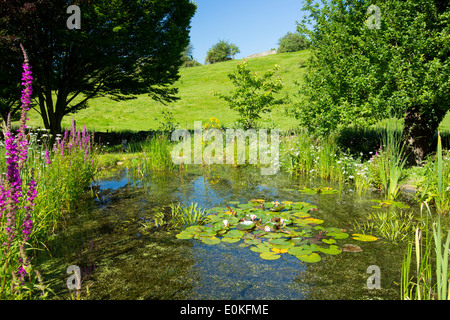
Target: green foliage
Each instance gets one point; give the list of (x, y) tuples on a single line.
[(359, 75), (269, 230), (423, 288), (188, 59), (136, 46), (392, 225), (253, 95), (155, 156), (434, 185), (292, 42), (387, 166), (221, 51)]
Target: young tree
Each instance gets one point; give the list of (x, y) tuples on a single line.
[(123, 48), (292, 42), (361, 72), (221, 51), (253, 94)]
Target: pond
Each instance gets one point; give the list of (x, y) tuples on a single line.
[(123, 255)]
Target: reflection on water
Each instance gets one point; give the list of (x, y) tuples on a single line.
[(130, 264)]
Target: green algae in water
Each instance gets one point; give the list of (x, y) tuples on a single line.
[(270, 230)]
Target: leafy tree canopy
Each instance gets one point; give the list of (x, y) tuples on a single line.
[(292, 42), (359, 74), (221, 51), (123, 48), (253, 94)]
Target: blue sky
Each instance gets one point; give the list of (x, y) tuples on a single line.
[(253, 25)]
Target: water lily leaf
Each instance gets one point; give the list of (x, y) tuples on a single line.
[(329, 241), (338, 235), (234, 234), (363, 237), (313, 220), (252, 241), (272, 235), (331, 250), (234, 202), (211, 241), (301, 214), (230, 240), (287, 202), (260, 248), (277, 208), (276, 250), (184, 235), (246, 225), (299, 251), (269, 256), (299, 241), (311, 258), (258, 200)]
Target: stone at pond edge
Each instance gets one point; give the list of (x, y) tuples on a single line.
[(351, 248)]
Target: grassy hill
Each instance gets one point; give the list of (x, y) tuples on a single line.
[(197, 103)]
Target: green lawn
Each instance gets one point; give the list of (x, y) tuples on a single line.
[(197, 103)]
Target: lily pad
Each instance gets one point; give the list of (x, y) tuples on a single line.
[(230, 240), (311, 258), (338, 235), (269, 256), (331, 250), (184, 235), (211, 241), (364, 237), (246, 225), (234, 234), (299, 251), (276, 250), (260, 248), (329, 241)]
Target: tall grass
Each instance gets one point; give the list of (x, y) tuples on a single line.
[(387, 166), (62, 173), (422, 287), (154, 156)]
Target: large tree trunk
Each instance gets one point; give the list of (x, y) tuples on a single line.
[(419, 133)]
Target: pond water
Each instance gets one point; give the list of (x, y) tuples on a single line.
[(121, 259)]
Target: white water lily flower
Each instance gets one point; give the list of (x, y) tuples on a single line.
[(253, 217), (226, 223)]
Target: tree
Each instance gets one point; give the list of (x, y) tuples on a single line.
[(123, 48), (292, 42), (253, 94), (221, 51), (188, 57), (360, 73)]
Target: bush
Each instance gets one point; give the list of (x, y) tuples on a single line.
[(292, 42)]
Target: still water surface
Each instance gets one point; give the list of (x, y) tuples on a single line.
[(121, 259)]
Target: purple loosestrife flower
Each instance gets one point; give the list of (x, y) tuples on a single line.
[(27, 91), (27, 224), (47, 157), (13, 184)]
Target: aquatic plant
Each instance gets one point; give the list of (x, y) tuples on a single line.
[(423, 287), (387, 165), (187, 216), (392, 225), (270, 229)]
